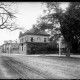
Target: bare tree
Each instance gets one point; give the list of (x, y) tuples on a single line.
[(7, 16)]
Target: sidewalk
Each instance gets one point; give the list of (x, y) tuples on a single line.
[(77, 56), (34, 54)]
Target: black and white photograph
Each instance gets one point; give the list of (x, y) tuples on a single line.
[(39, 40)]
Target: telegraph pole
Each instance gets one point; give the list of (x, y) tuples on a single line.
[(9, 48), (60, 47)]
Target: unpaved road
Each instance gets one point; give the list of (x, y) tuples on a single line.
[(41, 67), (16, 70)]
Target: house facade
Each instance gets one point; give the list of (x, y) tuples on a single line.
[(10, 47), (33, 39)]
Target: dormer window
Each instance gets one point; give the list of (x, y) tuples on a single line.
[(31, 39)]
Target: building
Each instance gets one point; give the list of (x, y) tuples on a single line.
[(0, 49), (33, 39), (10, 47)]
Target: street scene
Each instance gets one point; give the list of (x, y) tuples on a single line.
[(40, 40)]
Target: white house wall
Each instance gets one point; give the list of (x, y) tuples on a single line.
[(20, 49), (24, 48), (28, 38), (24, 51)]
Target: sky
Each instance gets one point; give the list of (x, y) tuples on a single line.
[(27, 14)]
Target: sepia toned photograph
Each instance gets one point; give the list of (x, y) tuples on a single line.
[(40, 40)]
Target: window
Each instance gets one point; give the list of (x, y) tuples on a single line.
[(25, 39), (22, 47), (38, 38), (14, 45), (22, 40), (31, 39), (44, 39), (48, 39)]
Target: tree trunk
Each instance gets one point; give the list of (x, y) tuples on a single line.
[(75, 48), (68, 49), (68, 53)]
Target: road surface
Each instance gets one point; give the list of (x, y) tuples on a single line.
[(39, 67)]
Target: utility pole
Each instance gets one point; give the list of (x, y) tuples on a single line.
[(9, 48), (59, 46), (59, 49)]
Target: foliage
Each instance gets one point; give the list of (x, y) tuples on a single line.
[(48, 49), (69, 21)]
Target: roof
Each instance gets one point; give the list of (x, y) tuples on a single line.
[(35, 31)]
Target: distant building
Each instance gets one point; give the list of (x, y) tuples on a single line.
[(0, 49), (32, 39), (10, 47)]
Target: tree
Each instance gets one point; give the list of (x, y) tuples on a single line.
[(7, 16), (44, 24), (69, 21)]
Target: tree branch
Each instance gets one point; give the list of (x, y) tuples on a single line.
[(4, 22)]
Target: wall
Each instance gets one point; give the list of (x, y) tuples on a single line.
[(27, 38), (11, 48), (35, 37), (24, 51), (24, 48)]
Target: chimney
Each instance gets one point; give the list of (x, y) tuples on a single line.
[(20, 33)]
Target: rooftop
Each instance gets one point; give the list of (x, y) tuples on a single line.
[(34, 31)]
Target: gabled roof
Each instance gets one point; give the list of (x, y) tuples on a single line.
[(35, 31)]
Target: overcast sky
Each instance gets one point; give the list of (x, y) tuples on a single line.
[(27, 13)]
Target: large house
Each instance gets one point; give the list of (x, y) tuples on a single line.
[(32, 39)]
